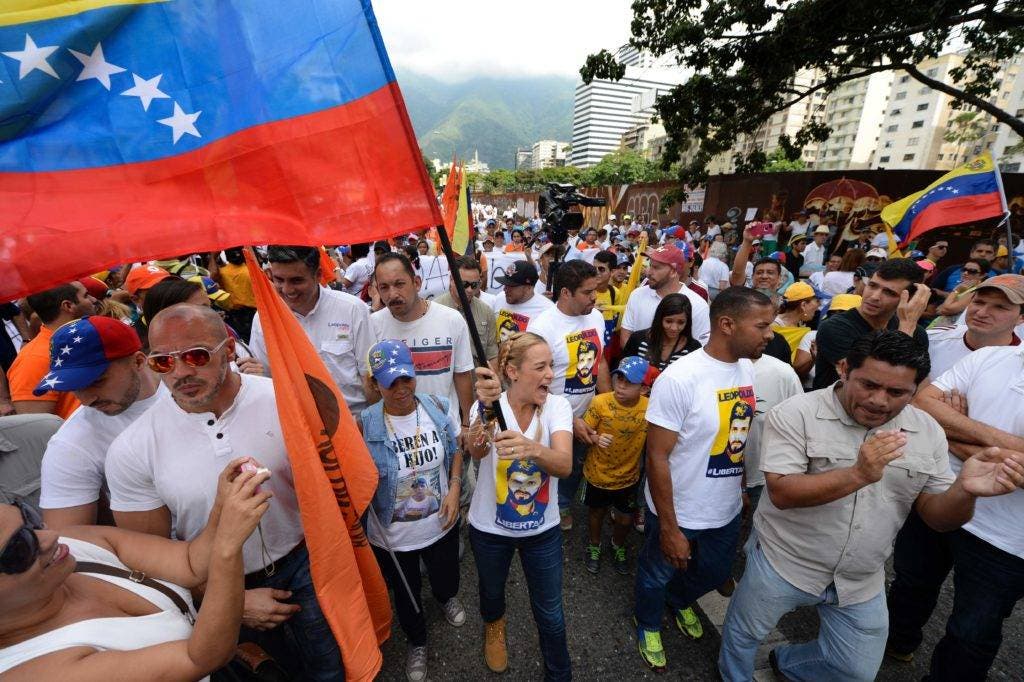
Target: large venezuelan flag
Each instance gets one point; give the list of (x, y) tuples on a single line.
[(973, 191), (137, 129)]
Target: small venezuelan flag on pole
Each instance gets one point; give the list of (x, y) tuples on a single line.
[(973, 191)]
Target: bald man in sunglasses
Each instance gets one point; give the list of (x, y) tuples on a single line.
[(165, 465)]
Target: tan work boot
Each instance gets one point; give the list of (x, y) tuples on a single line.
[(495, 653)]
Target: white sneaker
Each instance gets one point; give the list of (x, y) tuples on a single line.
[(416, 664), (454, 613)]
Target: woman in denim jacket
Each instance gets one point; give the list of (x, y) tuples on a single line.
[(415, 510)]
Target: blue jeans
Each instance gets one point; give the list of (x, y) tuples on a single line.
[(851, 638), (659, 582), (307, 638), (988, 582), (541, 558), (568, 486)]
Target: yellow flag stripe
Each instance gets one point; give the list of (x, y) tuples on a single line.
[(14, 12)]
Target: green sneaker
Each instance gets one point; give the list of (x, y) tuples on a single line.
[(689, 624), (648, 643), (619, 560), (592, 560)]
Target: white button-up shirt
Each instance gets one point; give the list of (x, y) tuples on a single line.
[(339, 328)]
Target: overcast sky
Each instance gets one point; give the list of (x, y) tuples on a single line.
[(457, 39)]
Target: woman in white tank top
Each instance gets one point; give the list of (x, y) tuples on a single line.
[(126, 613)]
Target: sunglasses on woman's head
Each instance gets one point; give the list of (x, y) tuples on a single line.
[(162, 363), (22, 549)]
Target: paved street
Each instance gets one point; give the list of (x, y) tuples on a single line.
[(601, 641)]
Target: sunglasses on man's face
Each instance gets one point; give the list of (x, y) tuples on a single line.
[(470, 285), (971, 271), (162, 363), (22, 549)]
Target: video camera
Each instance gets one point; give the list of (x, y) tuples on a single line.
[(554, 206)]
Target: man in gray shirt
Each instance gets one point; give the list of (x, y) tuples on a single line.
[(23, 439), (843, 467)]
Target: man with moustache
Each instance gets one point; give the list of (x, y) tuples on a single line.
[(165, 466), (106, 371)]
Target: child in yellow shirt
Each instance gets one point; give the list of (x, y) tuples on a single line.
[(611, 470)]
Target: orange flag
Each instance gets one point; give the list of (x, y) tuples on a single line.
[(335, 479), (327, 266)]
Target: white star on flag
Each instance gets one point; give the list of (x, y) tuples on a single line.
[(33, 58), (57, 362), (403, 371), (146, 90), (77, 339), (66, 350), (96, 66), (392, 361), (392, 370), (50, 383), (181, 123)]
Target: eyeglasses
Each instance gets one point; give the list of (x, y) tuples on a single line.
[(470, 285), (162, 363), (971, 271), (23, 547)]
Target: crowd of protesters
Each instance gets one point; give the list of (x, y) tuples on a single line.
[(666, 381)]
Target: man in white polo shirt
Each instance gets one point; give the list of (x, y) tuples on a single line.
[(337, 324), (106, 370), (164, 467), (665, 276), (519, 302)]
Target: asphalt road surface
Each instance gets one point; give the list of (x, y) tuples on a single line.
[(598, 611)]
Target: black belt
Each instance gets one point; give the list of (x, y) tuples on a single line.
[(268, 570)]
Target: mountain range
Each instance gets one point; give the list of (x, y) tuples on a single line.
[(492, 116)]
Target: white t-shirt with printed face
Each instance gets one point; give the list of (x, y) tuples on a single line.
[(992, 380), (72, 473), (339, 328), (422, 483), (576, 343), (774, 381), (643, 302), (515, 317), (515, 498), (440, 347), (169, 457), (710, 405)]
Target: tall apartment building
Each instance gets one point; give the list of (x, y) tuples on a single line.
[(1011, 96), (604, 110), (788, 121), (548, 154), (524, 159), (854, 111)]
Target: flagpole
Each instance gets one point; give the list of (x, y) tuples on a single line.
[(1006, 215), (479, 354)]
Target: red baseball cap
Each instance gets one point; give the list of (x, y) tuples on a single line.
[(95, 287), (670, 254)]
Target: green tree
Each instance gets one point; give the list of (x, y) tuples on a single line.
[(435, 175), (777, 162), (745, 55), (623, 167), (964, 129)]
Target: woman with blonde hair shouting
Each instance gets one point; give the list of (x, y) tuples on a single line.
[(515, 504)]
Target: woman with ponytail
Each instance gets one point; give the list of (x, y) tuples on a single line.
[(515, 503)]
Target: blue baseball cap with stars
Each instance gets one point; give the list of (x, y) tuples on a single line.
[(389, 360)]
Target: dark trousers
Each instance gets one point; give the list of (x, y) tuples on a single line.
[(922, 558), (568, 486), (303, 644), (658, 582), (442, 562), (988, 582), (541, 558)]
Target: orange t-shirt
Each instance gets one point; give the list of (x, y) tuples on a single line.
[(29, 368)]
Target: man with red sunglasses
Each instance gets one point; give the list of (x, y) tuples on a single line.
[(100, 360), (165, 465)]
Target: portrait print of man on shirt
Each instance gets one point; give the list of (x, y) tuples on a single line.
[(524, 491), (584, 349), (420, 500), (736, 410)]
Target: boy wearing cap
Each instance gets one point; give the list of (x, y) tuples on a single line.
[(611, 470), (105, 370)]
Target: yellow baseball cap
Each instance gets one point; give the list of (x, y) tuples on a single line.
[(799, 291), (842, 302)]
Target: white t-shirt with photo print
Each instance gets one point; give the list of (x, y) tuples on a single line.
[(422, 483), (576, 343), (710, 405)]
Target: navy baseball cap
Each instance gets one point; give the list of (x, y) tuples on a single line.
[(82, 350), (390, 359)]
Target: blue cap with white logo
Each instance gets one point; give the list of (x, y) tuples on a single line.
[(390, 359)]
